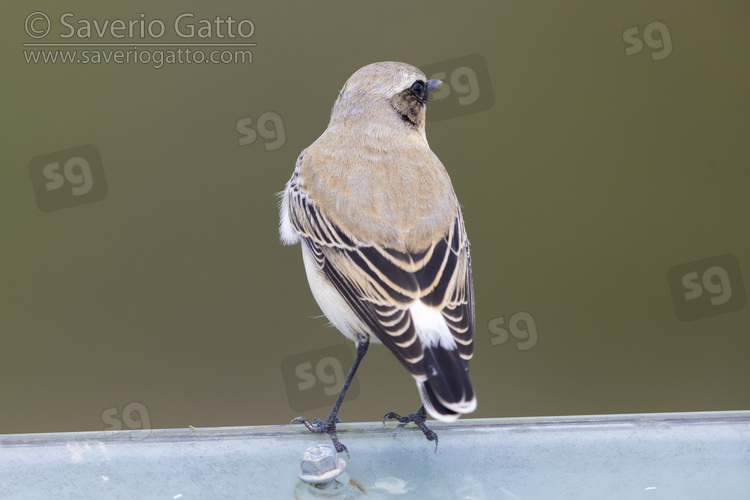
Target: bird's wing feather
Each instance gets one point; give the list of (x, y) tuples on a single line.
[(380, 283)]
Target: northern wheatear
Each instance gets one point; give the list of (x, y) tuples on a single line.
[(383, 240)]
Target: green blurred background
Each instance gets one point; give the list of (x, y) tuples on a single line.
[(609, 147)]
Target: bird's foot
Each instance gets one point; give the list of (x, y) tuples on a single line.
[(417, 419), (328, 426)]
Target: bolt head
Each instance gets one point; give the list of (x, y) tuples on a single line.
[(321, 464)]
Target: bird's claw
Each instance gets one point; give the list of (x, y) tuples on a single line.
[(417, 419), (328, 426)]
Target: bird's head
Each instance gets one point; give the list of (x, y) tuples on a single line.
[(391, 92)]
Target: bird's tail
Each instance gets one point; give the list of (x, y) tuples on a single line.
[(447, 392)]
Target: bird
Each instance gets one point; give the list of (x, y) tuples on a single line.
[(383, 240)]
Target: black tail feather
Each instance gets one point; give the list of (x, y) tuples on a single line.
[(447, 392)]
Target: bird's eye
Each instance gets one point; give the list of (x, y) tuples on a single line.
[(419, 90)]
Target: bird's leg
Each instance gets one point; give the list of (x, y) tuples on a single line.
[(418, 419), (329, 424)]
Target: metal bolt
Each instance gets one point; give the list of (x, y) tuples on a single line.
[(320, 466)]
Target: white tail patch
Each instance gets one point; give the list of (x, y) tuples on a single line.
[(430, 326)]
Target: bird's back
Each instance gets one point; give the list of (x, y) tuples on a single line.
[(370, 181)]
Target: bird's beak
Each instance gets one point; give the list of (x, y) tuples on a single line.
[(431, 84)]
